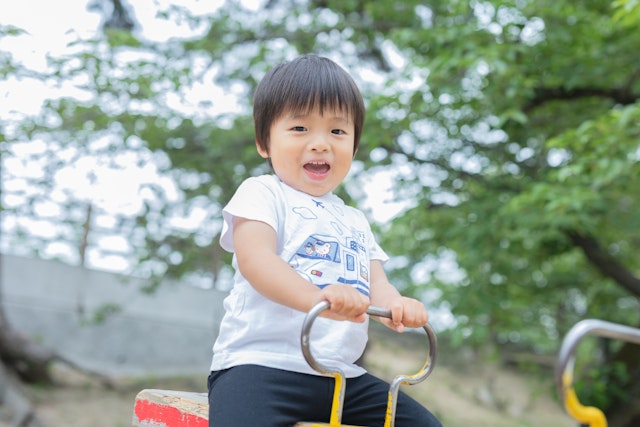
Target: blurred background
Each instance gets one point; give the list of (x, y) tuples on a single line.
[(499, 165)]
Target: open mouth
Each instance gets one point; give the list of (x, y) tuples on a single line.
[(318, 168)]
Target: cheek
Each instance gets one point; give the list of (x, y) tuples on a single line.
[(346, 154)]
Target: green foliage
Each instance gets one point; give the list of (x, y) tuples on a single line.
[(601, 394), (102, 313), (627, 12), (118, 38)]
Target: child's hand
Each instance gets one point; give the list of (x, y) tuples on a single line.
[(346, 303), (405, 313)]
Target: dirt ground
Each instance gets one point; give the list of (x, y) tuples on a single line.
[(461, 394)]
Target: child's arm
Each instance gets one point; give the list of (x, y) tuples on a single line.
[(255, 244), (405, 312)]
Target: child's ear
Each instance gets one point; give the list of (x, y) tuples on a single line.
[(263, 153)]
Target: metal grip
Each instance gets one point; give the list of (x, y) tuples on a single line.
[(372, 311), (339, 375)]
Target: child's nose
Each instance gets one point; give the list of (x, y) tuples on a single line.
[(320, 143)]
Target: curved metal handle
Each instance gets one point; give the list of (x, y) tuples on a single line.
[(339, 375), (566, 358)]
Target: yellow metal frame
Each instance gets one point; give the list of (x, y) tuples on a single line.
[(336, 406), (339, 388), (589, 415)]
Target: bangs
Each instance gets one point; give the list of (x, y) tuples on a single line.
[(307, 89)]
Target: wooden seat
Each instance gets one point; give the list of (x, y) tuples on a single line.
[(168, 408)]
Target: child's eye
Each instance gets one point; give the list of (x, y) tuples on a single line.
[(338, 131), (299, 128)]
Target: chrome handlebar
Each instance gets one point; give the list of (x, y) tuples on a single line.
[(339, 375)]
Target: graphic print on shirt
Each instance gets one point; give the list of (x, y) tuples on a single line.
[(338, 258)]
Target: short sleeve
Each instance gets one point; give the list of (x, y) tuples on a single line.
[(375, 251), (254, 200)]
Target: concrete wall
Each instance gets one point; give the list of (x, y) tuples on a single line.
[(165, 333)]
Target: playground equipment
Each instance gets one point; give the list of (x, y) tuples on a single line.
[(339, 388), (589, 415), (167, 408)]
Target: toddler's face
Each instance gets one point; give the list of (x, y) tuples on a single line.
[(311, 153)]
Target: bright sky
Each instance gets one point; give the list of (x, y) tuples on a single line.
[(50, 28)]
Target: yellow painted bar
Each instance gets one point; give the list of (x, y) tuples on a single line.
[(336, 406), (589, 415)]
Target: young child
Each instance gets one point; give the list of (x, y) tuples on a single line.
[(295, 244)]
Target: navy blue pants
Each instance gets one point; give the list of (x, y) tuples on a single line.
[(257, 396)]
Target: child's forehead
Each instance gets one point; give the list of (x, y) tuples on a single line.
[(327, 111)]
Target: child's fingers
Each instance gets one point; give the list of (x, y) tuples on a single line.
[(346, 303), (397, 313), (389, 324), (406, 312), (415, 314)]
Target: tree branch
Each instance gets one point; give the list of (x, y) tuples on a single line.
[(481, 179), (605, 263), (120, 17), (543, 95)]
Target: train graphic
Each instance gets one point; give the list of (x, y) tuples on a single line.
[(323, 260)]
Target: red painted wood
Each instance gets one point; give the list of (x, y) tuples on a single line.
[(158, 415)]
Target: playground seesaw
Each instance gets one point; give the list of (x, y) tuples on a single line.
[(168, 408)]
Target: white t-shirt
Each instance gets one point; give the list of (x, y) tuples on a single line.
[(326, 242)]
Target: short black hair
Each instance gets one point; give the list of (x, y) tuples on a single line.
[(299, 86)]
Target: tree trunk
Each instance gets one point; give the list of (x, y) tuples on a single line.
[(15, 408), (624, 409), (23, 361), (20, 360), (28, 360), (623, 412)]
